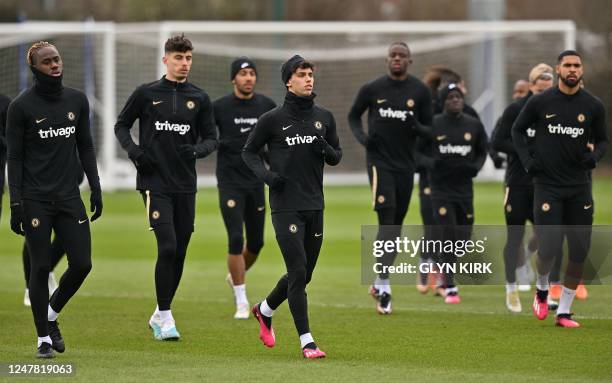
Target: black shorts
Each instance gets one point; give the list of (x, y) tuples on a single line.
[(453, 212), (518, 205), (243, 209), (563, 205), (176, 209), (390, 189)]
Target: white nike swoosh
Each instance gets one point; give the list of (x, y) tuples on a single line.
[(261, 208), (587, 207), (550, 115), (157, 102), (318, 234), (287, 127), (242, 130), (83, 221), (440, 138), (380, 101), (41, 120)]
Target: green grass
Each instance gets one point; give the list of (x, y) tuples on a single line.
[(105, 325)]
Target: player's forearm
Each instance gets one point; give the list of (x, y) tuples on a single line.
[(501, 141), (122, 132), (15, 176), (333, 155), (354, 119), (255, 163), (206, 146), (518, 140)]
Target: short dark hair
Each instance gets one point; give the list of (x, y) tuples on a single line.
[(178, 43), (304, 65), (568, 52), (449, 76)]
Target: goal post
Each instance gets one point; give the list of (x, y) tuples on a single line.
[(490, 56)]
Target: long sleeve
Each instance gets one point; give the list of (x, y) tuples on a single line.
[(130, 112), (354, 117), (425, 115), (524, 120), (206, 129), (501, 139), (481, 149), (250, 153), (15, 131), (333, 153), (87, 152), (600, 136)]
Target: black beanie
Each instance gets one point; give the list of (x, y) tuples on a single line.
[(446, 89), (241, 63), (289, 67)]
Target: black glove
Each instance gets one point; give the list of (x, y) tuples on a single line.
[(96, 204), (471, 170), (588, 160), (498, 162), (533, 167), (17, 218), (371, 141), (319, 145), (277, 183), (187, 152), (144, 163)]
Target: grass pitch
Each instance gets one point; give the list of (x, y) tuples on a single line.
[(107, 339)]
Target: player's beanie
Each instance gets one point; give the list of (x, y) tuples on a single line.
[(447, 89), (241, 63), (289, 67)]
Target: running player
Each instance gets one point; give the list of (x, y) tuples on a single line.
[(459, 150), (301, 138), (176, 127), (241, 195), (47, 125), (565, 118), (518, 202), (399, 108)]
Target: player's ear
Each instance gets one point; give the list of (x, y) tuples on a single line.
[(165, 59)]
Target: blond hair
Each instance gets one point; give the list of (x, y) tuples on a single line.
[(35, 48), (540, 70)]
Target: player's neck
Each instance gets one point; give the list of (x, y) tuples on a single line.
[(243, 96), (400, 77), (565, 89), (170, 77)]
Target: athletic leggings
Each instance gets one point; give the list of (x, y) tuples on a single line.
[(68, 219), (57, 252), (300, 236)]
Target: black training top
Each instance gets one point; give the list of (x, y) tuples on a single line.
[(45, 129), (501, 140), (170, 114), (564, 125), (459, 150), (235, 118), (289, 130), (4, 103), (391, 133)]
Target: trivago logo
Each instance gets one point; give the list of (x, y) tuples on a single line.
[(60, 132), (298, 140), (243, 120), (180, 128), (390, 113), (566, 130), (462, 150)]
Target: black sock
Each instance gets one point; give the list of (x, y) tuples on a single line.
[(542, 294), (311, 346), (267, 320)]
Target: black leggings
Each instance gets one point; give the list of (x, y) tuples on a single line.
[(518, 209), (171, 218), (243, 210), (71, 225), (57, 252), (300, 236)]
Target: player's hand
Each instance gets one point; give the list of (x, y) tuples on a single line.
[(278, 183), (319, 145), (588, 161), (187, 152), (533, 167), (96, 204), (498, 162), (471, 170), (17, 218), (145, 164)]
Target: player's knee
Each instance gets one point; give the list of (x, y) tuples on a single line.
[(297, 277), (40, 272), (254, 247), (166, 249), (82, 268), (236, 243)]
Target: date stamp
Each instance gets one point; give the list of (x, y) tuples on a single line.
[(37, 369)]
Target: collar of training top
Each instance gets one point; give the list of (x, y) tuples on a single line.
[(46, 85), (173, 84), (301, 103)]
